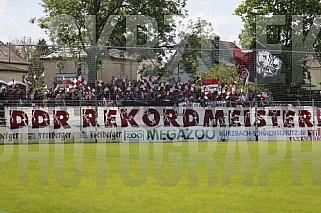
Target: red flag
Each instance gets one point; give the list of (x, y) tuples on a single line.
[(26, 80), (64, 81), (69, 88), (100, 83), (213, 82), (35, 77), (233, 87), (57, 88), (106, 90), (242, 58), (80, 79), (242, 61)]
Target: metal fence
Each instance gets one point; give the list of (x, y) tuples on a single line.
[(123, 76)]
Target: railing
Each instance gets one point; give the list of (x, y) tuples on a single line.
[(68, 102), (181, 103)]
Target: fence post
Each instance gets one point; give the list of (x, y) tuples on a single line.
[(256, 100), (80, 117), (314, 111), (96, 90)]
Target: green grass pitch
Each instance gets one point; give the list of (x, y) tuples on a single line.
[(109, 178)]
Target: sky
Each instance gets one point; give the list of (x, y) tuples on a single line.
[(15, 16)]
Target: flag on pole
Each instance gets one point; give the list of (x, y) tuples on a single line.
[(35, 78), (26, 81), (106, 90), (57, 88), (242, 62), (100, 83), (64, 81), (69, 88), (268, 65)]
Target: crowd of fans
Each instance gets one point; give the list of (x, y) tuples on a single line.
[(144, 91), (223, 93)]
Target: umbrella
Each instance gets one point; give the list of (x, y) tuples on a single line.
[(15, 82), (3, 82), (306, 84)]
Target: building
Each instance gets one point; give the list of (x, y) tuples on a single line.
[(11, 65), (314, 69), (112, 64)]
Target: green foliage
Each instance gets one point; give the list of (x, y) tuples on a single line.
[(80, 10), (197, 44), (60, 62), (84, 32), (225, 74), (24, 47), (293, 22), (36, 66), (249, 10), (31, 51)]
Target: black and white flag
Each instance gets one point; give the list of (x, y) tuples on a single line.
[(268, 65)]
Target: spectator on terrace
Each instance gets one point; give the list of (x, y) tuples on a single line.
[(243, 96), (269, 96), (251, 97), (32, 98), (263, 97), (59, 99), (203, 101), (298, 97), (289, 93)]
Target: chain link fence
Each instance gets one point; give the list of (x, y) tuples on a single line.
[(120, 76)]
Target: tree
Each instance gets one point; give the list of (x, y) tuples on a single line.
[(102, 12), (226, 74), (290, 30), (30, 51), (36, 67), (223, 72), (249, 10), (198, 45), (23, 47), (195, 44)]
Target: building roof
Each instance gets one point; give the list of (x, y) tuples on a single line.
[(7, 56), (312, 62), (226, 52), (113, 53), (4, 67), (223, 53)]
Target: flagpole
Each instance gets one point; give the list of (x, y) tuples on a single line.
[(81, 98), (256, 101), (81, 130), (96, 93)]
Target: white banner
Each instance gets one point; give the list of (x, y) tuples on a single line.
[(150, 124)]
